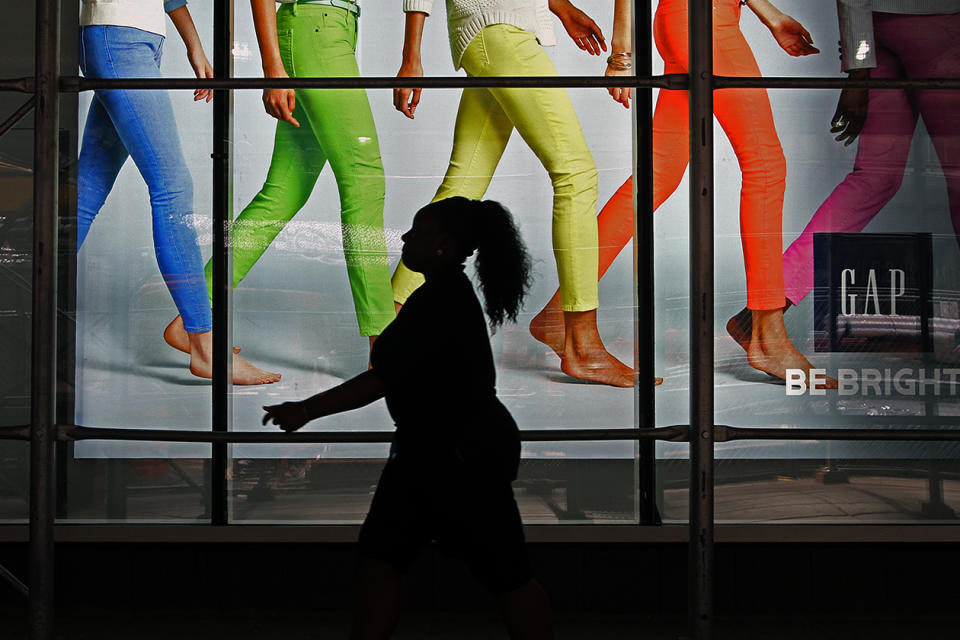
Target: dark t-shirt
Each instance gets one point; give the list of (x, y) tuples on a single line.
[(436, 364)]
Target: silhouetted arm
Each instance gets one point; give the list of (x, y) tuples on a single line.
[(356, 392)]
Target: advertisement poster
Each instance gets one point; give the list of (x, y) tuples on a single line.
[(877, 314), (293, 313)]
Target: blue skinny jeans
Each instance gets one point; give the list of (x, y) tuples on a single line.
[(140, 124)]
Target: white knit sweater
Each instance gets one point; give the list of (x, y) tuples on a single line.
[(147, 15), (466, 18)]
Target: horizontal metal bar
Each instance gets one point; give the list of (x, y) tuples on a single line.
[(21, 432), (728, 533), (23, 85), (14, 581), (18, 115), (727, 434), (673, 433), (73, 84), (727, 82), (677, 433)]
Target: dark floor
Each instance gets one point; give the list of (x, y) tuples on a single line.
[(104, 624)]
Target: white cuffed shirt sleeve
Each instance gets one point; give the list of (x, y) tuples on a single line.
[(426, 6), (858, 46)]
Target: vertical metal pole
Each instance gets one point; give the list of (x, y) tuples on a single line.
[(643, 247), (222, 263), (44, 330), (701, 318)]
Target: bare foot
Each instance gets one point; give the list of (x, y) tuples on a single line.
[(740, 326), (590, 363), (176, 336), (244, 373), (547, 326), (584, 355), (771, 351)]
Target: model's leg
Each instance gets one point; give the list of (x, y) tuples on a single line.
[(930, 50), (343, 124), (882, 150), (480, 136), (102, 154), (294, 167), (546, 120), (747, 119), (145, 124), (615, 221)]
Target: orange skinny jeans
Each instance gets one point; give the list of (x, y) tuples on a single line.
[(747, 119)]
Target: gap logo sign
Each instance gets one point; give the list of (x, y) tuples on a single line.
[(872, 292)]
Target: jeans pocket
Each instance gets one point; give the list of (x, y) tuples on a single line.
[(285, 44), (158, 55), (334, 28)]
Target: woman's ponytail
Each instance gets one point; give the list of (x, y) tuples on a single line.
[(503, 264)]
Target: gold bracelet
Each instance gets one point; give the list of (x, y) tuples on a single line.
[(621, 61)]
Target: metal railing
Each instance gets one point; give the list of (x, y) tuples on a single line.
[(43, 432)]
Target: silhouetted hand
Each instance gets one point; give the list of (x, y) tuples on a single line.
[(851, 115), (289, 416)]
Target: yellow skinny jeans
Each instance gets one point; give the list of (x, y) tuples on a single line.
[(548, 124)]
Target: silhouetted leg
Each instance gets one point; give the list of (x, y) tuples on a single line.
[(380, 594), (526, 612)]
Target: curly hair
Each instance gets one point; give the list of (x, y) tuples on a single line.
[(502, 264)]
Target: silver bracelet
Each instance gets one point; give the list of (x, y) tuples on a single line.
[(622, 61)]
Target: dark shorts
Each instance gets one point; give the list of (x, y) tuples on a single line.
[(466, 516)]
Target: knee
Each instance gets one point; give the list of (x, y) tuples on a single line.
[(173, 191), (768, 169), (574, 179), (876, 183)]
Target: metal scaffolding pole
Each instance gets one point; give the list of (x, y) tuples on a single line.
[(222, 386), (701, 566), (44, 348)]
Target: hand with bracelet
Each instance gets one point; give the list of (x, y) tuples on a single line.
[(620, 61)]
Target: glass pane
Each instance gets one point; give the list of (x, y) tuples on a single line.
[(141, 217), (16, 248), (891, 44), (870, 266), (805, 45), (294, 311)]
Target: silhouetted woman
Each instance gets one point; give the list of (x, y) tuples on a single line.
[(456, 447)]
